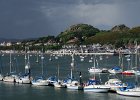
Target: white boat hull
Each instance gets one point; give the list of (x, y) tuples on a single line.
[(9, 79), (24, 81), (59, 85), (74, 87), (95, 71), (97, 88), (114, 84), (129, 93), (40, 83), (137, 72), (114, 71), (1, 77)]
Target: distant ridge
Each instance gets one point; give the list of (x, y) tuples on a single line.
[(8, 40), (15, 40)]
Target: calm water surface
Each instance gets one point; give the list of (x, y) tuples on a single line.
[(10, 91)]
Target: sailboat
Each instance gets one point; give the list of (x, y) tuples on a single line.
[(94, 69), (117, 69), (128, 71), (132, 91), (94, 85), (59, 83), (1, 76), (137, 72), (50, 59), (40, 81), (26, 77), (114, 83), (37, 61), (72, 83), (11, 77)]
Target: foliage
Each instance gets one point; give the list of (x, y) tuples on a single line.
[(80, 31)]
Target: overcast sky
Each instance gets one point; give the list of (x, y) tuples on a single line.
[(36, 18)]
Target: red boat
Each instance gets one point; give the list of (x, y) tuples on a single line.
[(128, 72)]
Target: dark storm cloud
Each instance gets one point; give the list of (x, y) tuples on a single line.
[(36, 18), (21, 19)]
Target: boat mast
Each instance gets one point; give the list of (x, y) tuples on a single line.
[(25, 58), (136, 62), (28, 64), (94, 65), (94, 61), (72, 64), (42, 59), (58, 72), (10, 62), (37, 57), (0, 64), (136, 57)]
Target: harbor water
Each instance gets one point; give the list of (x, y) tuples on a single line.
[(15, 91)]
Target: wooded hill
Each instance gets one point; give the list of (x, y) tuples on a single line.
[(119, 35)]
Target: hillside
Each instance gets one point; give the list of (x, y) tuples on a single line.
[(77, 33), (119, 36), (120, 28)]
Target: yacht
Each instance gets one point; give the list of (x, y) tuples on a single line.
[(59, 84), (74, 85), (115, 70), (94, 86), (128, 72), (134, 92), (11, 78), (114, 84), (71, 82), (25, 79), (40, 81), (95, 68)]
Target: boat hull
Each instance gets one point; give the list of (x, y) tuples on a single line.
[(1, 77), (59, 85), (129, 93), (40, 83), (9, 79), (75, 87), (128, 72), (97, 88), (24, 81)]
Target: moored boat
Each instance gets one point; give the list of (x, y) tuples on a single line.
[(128, 72), (114, 84), (74, 85), (40, 81), (1, 77), (93, 70), (115, 70), (134, 92), (59, 84), (95, 86)]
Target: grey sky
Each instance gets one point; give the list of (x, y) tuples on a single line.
[(36, 18)]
